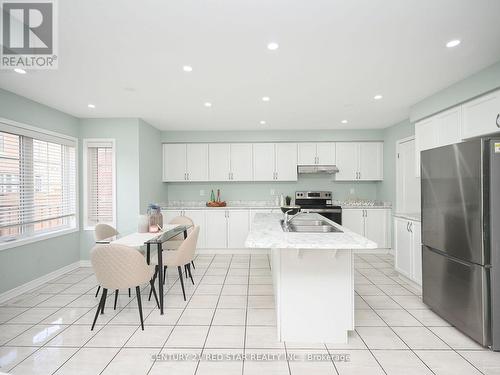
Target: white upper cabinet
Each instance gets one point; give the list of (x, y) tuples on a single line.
[(241, 162), (286, 162), (174, 162), (197, 162), (347, 154), (371, 161), (219, 162), (322, 153), (307, 153), (442, 129), (449, 127), (263, 162), (481, 116), (325, 152), (275, 162), (360, 161)]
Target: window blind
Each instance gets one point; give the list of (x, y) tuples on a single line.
[(37, 183), (100, 183)]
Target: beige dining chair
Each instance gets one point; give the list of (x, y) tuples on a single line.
[(182, 257), (101, 232), (120, 267), (175, 242)]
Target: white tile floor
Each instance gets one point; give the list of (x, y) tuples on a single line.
[(229, 311)]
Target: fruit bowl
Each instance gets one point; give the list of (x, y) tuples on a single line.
[(294, 209), (216, 204)]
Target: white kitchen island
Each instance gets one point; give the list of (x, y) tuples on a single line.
[(313, 278)]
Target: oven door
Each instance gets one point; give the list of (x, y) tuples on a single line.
[(333, 214)]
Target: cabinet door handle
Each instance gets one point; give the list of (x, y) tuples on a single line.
[(497, 120), (411, 227), (407, 226)]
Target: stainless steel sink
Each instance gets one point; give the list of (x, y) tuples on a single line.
[(309, 226)]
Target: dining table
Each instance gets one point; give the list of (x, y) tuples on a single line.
[(150, 239)]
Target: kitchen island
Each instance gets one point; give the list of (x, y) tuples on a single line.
[(313, 276)]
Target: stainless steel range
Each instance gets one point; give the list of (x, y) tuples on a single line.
[(319, 202)]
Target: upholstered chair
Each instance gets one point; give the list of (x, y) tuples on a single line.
[(181, 257), (120, 267)]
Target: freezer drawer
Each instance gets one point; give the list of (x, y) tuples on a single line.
[(458, 292)]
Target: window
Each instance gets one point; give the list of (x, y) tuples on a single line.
[(37, 183), (99, 175)]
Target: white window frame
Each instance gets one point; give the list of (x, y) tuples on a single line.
[(56, 233), (86, 142)]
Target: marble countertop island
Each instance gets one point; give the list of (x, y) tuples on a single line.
[(267, 233), (313, 278)]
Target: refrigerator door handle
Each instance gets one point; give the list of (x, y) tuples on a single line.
[(497, 122)]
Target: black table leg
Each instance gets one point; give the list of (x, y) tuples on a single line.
[(160, 276), (148, 253)]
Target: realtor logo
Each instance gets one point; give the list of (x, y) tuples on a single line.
[(29, 38)]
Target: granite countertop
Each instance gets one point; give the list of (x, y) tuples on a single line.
[(267, 233), (234, 205), (415, 216), (231, 205)]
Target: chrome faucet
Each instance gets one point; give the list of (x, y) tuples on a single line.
[(288, 218)]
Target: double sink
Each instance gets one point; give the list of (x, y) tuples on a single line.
[(308, 226)]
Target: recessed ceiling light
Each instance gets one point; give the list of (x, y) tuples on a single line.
[(91, 106), (187, 68), (262, 122), (20, 71), (453, 43), (344, 121), (208, 104), (266, 98), (378, 97), (273, 46)]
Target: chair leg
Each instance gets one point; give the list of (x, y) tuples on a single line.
[(182, 282), (192, 263), (164, 273), (153, 282), (101, 301), (98, 289), (153, 290), (105, 294), (116, 298), (139, 303), (186, 270), (189, 272), (129, 292)]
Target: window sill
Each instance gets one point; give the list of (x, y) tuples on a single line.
[(36, 238)]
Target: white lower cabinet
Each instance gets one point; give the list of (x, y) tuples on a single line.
[(372, 223), (408, 249), (198, 217), (238, 227), (216, 229)]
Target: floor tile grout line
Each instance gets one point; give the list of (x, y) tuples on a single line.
[(246, 313), (184, 309), (371, 352), (213, 316)]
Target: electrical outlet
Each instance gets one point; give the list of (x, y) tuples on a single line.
[(351, 191), (273, 192), (202, 193)]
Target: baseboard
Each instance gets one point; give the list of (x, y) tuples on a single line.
[(37, 282), (85, 263)]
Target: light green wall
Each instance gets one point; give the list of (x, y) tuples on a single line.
[(22, 264), (475, 85), (387, 188), (125, 132), (151, 188), (262, 190)]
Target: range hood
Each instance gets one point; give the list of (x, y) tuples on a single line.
[(323, 169)]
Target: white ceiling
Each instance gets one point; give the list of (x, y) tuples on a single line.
[(126, 57)]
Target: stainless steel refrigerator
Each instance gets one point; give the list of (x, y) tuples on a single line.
[(461, 236)]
